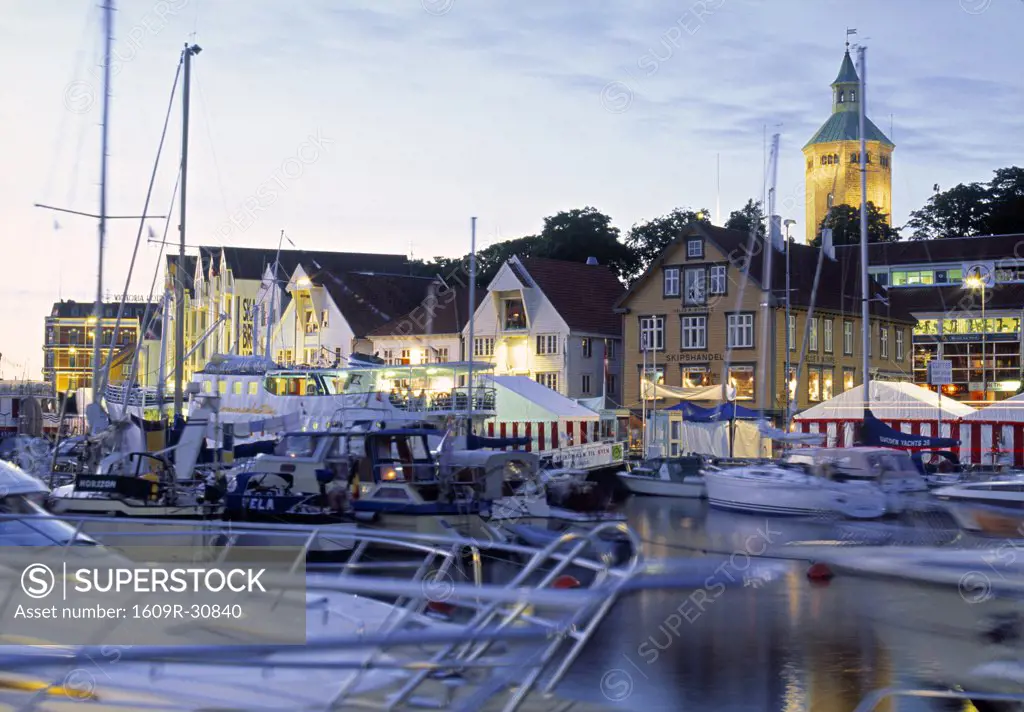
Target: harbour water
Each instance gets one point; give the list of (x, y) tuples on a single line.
[(787, 645)]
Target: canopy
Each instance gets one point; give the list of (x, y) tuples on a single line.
[(784, 437), (1010, 410), (726, 411), (519, 398), (877, 433), (477, 442), (702, 393), (890, 400)]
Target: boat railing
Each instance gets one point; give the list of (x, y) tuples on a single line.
[(135, 395), (878, 697), (405, 472), (26, 388)]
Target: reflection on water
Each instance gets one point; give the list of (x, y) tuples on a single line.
[(785, 645)]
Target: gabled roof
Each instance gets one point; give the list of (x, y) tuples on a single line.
[(946, 249), (368, 301), (70, 309), (251, 262), (188, 273), (450, 309), (845, 126), (838, 285), (583, 295)]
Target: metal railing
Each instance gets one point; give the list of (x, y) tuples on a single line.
[(876, 698)]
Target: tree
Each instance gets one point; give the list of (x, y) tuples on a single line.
[(961, 211), (649, 239), (1006, 193), (844, 221), (749, 215), (578, 234)]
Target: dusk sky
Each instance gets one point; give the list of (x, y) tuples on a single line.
[(408, 117)]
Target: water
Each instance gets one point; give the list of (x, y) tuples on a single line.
[(785, 645)]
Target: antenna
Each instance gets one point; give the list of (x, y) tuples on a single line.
[(718, 189)]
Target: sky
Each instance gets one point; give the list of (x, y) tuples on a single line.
[(384, 126)]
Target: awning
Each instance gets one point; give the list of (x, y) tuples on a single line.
[(702, 393)]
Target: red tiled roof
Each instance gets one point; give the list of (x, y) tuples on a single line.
[(584, 295), (449, 307), (368, 301)]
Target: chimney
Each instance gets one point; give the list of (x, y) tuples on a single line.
[(775, 232), (826, 244), (591, 260)]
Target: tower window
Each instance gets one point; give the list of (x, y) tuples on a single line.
[(853, 158), (830, 160), (835, 159), (810, 164), (853, 95), (867, 157), (824, 160), (840, 99)]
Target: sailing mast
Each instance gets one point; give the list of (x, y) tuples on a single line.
[(108, 40), (770, 244), (865, 314), (179, 285), (472, 314)]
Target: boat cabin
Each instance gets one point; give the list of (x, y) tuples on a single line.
[(884, 466)]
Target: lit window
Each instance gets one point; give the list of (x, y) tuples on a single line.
[(847, 379), (515, 315), (587, 347), (483, 346), (695, 376), (742, 379), (648, 379)]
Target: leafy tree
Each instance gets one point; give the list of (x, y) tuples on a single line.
[(844, 221), (961, 211), (580, 233), (1006, 195), (749, 215), (649, 239)]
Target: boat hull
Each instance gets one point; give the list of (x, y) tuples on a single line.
[(783, 497), (656, 487), (989, 520)]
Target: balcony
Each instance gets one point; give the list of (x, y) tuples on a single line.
[(514, 315)]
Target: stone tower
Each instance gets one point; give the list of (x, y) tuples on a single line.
[(832, 157)]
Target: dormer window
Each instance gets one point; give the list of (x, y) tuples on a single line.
[(515, 315), (694, 249)]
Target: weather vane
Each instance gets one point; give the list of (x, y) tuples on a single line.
[(848, 33)]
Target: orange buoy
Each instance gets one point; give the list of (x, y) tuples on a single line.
[(565, 581), (819, 572)]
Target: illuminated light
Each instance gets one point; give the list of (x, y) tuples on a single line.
[(974, 282), (389, 374), (431, 371), (390, 476), (72, 350), (304, 282)]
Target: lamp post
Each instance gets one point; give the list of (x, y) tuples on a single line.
[(789, 389), (976, 282)]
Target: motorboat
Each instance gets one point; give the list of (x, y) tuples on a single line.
[(667, 477), (956, 611), (24, 521), (993, 507), (857, 482)]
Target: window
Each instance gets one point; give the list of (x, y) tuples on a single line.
[(853, 158), (648, 379), (742, 379), (847, 338), (515, 315), (883, 341), (695, 376), (588, 347), (404, 359), (253, 386), (827, 326), (899, 344), (441, 355), (671, 288), (311, 326), (694, 249), (694, 331), (610, 384), (847, 378), (791, 331), (812, 336), (236, 388), (323, 319), (792, 385), (695, 287), (819, 383), (483, 346), (389, 357), (840, 99), (609, 349), (222, 387), (585, 385), (740, 331), (652, 333), (547, 344), (853, 95), (882, 278), (718, 279), (549, 379)]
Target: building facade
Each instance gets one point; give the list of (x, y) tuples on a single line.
[(430, 333), (699, 310), (553, 321), (967, 295), (832, 175), (69, 337)]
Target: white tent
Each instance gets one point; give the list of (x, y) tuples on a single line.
[(528, 409), (906, 407), (994, 434)]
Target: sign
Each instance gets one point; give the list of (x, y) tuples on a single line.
[(688, 357), (940, 372)]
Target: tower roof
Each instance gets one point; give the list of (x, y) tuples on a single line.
[(847, 72), (845, 126)]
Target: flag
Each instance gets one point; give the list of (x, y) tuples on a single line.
[(152, 232), (851, 32)]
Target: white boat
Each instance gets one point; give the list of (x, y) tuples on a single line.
[(993, 507), (669, 477), (956, 611), (857, 482)]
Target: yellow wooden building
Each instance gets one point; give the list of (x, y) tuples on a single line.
[(687, 305)]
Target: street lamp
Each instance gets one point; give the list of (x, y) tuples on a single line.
[(976, 282)]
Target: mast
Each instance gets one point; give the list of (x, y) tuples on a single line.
[(161, 382), (472, 314), (179, 286), (768, 367), (272, 297), (865, 314), (108, 31)]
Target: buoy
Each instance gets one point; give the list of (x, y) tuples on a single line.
[(819, 572), (565, 581), (440, 609)]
